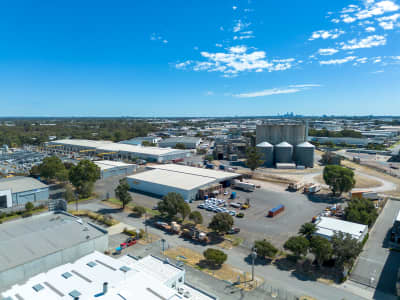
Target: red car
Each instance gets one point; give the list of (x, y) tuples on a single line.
[(129, 242)]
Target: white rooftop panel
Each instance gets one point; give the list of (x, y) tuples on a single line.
[(219, 175), (332, 224), (173, 179)]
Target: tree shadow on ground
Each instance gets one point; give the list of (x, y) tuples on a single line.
[(258, 261), (106, 211), (205, 264), (324, 198)]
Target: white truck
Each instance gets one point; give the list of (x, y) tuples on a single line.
[(246, 186)]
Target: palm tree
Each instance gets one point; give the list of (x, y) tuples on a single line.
[(307, 230)]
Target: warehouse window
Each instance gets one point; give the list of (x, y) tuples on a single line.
[(74, 294), (124, 269)]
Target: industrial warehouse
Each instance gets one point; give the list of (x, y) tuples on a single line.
[(17, 191), (191, 182), (275, 143), (31, 246), (117, 150), (98, 275), (109, 168)]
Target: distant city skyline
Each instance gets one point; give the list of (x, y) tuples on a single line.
[(199, 59)]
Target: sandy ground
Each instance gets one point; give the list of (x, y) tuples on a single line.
[(362, 182)]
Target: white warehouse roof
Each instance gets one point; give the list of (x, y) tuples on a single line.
[(178, 180), (109, 164), (328, 226), (217, 175), (85, 278)]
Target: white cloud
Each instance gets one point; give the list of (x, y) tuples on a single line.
[(377, 60), (326, 34), (239, 26), (370, 29), (337, 61), (277, 91), (183, 65), (238, 59), (234, 7), (368, 42), (361, 60), (350, 8), (335, 20), (377, 72), (209, 93), (376, 9), (347, 19), (389, 22), (156, 37), (327, 51), (218, 45)]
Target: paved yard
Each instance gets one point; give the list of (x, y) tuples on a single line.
[(377, 266)]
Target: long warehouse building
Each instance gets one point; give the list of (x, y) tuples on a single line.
[(187, 181), (117, 150)]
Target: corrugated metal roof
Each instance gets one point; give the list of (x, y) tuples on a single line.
[(305, 145), (28, 239), (172, 179), (21, 184)]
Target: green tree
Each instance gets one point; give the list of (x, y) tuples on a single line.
[(69, 193), (345, 249), (361, 211), (184, 210), (148, 144), (339, 179), (34, 171), (196, 217), (29, 206), (221, 222), (215, 257), (298, 245), (253, 158), (83, 176), (122, 192), (172, 204), (180, 146), (307, 230), (321, 248), (139, 210), (264, 248), (52, 168)]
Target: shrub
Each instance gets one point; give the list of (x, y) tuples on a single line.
[(26, 214), (215, 257), (264, 248), (139, 210)]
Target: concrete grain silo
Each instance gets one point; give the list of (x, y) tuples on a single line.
[(267, 150), (283, 153), (304, 154)]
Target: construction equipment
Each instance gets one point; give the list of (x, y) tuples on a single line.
[(195, 234), (312, 188)]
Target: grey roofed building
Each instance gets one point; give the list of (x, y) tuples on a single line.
[(189, 142), (17, 191), (21, 184), (34, 245)]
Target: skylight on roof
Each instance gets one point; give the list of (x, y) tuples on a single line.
[(38, 287)]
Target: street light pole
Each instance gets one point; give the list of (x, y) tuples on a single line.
[(253, 257)]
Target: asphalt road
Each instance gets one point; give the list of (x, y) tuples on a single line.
[(377, 266)]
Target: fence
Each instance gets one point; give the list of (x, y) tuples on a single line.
[(268, 291)]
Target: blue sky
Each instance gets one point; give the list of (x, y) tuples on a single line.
[(199, 58)]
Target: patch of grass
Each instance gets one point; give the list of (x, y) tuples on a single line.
[(106, 220), (235, 240), (225, 272), (131, 205)]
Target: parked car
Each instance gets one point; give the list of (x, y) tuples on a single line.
[(234, 230), (240, 215), (129, 242)]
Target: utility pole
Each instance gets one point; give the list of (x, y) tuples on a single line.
[(163, 245)]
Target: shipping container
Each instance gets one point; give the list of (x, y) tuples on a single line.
[(276, 210)]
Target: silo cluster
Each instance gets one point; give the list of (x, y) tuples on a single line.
[(267, 151), (304, 155), (284, 153)]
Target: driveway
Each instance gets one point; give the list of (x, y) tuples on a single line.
[(377, 266)]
